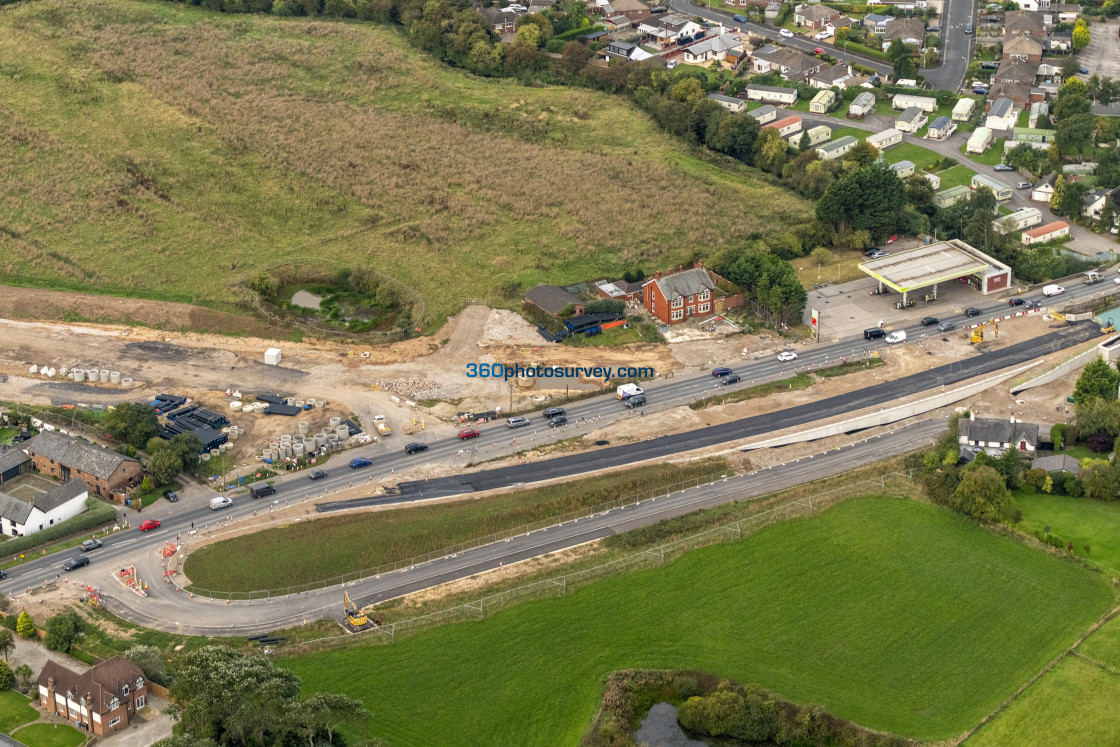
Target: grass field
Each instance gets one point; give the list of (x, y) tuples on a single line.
[(50, 735), (1077, 520), (315, 551), (139, 133), (955, 177), (921, 157), (845, 268), (890, 613), (15, 710)]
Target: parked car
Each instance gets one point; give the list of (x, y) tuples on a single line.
[(818, 50), (219, 503), (878, 254), (981, 90), (720, 371), (1083, 70), (946, 326), (75, 563), (554, 411), (558, 421), (929, 321), (1003, 167), (874, 80), (874, 333), (1015, 302), (148, 524), (739, 18), (415, 447), (786, 33), (360, 462), (261, 490), (1023, 185), (171, 496), (972, 311), (787, 355), (822, 35), (91, 544), (469, 433), (317, 474), (517, 422)]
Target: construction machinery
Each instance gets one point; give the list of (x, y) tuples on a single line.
[(1108, 328), (978, 333), (354, 620)]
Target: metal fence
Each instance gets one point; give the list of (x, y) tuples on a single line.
[(652, 557)]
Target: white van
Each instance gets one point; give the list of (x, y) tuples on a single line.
[(1053, 290), (219, 503), (896, 337)]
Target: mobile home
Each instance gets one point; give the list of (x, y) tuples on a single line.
[(823, 102), (979, 140), (885, 139), (1020, 220), (999, 189), (906, 100), (964, 110)]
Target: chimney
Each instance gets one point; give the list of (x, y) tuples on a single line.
[(657, 275), (700, 263)]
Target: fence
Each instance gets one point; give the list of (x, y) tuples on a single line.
[(809, 505), (455, 549)]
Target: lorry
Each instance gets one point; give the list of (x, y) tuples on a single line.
[(628, 390), (1092, 277), (382, 425)]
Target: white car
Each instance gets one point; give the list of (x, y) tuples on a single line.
[(822, 35), (515, 8), (786, 32), (787, 355)]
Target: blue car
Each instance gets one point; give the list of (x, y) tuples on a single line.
[(359, 462), (739, 18)]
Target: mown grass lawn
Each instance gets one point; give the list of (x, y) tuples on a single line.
[(1077, 520), (921, 157), (50, 735), (884, 611), (991, 157), (15, 710), (955, 177)]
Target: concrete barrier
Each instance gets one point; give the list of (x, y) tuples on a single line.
[(1108, 350)]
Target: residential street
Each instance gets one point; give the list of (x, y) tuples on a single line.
[(956, 46)]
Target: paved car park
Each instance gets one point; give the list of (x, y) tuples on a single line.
[(1102, 56)]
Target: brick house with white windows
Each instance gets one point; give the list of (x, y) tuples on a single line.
[(65, 457), (679, 296), (101, 701)]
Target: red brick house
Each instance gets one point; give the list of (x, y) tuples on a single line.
[(635, 10), (679, 296), (101, 701), (106, 473)]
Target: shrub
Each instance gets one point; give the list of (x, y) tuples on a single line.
[(7, 679), (1100, 443), (25, 626), (9, 621), (62, 631), (23, 675)]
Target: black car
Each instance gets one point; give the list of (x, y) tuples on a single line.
[(1083, 70), (1016, 302), (558, 421), (721, 371), (318, 474), (74, 563), (929, 321), (554, 411), (1033, 303), (1003, 167), (415, 448), (171, 495), (3, 574), (972, 311), (259, 491), (90, 544), (730, 379), (874, 333)]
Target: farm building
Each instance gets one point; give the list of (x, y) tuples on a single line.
[(999, 189), (862, 105), (32, 514), (836, 148), (817, 135), (771, 94), (885, 139), (979, 140), (951, 196), (729, 103), (1020, 220), (903, 168), (764, 114), (552, 299), (1056, 230), (911, 120), (107, 473), (1002, 115), (963, 110), (786, 126), (823, 102), (941, 129), (934, 180), (907, 100)]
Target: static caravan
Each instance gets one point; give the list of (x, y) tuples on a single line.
[(941, 129), (979, 140), (862, 105), (999, 189), (906, 100), (885, 139), (771, 94), (817, 135), (729, 103), (934, 180), (823, 102), (964, 110), (951, 196), (911, 120), (1020, 220), (836, 148), (1056, 230), (786, 126), (903, 169), (764, 114)]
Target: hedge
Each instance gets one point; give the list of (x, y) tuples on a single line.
[(80, 655), (97, 512), (572, 34)]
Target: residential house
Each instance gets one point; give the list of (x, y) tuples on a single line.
[(963, 109), (1002, 115), (106, 473), (1096, 200), (553, 300), (539, 6), (635, 10), (1018, 92), (786, 126), (1059, 42), (903, 168), (1044, 189), (731, 104), (712, 48), (14, 463), (910, 31), (979, 141), (1034, 5), (770, 94), (22, 517), (1067, 12), (840, 22), (1058, 463), (665, 30), (623, 50), (764, 114), (1051, 231), (823, 102), (941, 129), (885, 138), (618, 24), (500, 21), (862, 105), (1016, 71), (836, 75), (996, 436), (677, 297), (906, 100), (1049, 71), (911, 119), (772, 10), (1027, 22), (814, 16), (789, 63), (1022, 48), (946, 198), (876, 23), (101, 701), (837, 148), (1020, 220)]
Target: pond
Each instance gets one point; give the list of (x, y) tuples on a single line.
[(660, 729), (306, 300)]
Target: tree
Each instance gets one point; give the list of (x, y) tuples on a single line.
[(770, 151), (575, 56), (150, 661), (735, 136), (1059, 192), (23, 675), (25, 626), (184, 740), (187, 447), (804, 143), (1098, 381), (7, 644), (1080, 35), (1075, 133), (1071, 100), (133, 422), (262, 284), (164, 466), (862, 154), (7, 679), (1101, 481), (981, 495), (325, 711), (1010, 468), (869, 198), (1096, 415), (822, 257), (63, 630)]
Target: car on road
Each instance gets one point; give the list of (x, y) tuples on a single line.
[(720, 371), (148, 524), (818, 50), (1023, 185), (1015, 302), (415, 447), (554, 411), (968, 28), (786, 32), (260, 490), (1053, 290), (739, 18), (558, 421), (171, 496), (972, 311), (929, 321), (3, 574), (317, 474), (1032, 303), (896, 337), (75, 563), (874, 333), (517, 422), (1003, 167), (635, 401), (469, 433), (730, 379), (216, 504), (787, 355), (91, 544), (360, 462), (946, 326)]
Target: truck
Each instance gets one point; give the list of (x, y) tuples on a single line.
[(382, 425), (1092, 277), (628, 390)]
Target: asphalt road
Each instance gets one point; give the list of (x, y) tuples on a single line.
[(956, 46)]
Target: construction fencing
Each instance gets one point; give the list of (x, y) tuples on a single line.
[(764, 514)]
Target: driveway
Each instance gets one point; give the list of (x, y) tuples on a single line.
[(1102, 56)]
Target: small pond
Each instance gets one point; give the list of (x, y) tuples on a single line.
[(306, 300), (661, 729)]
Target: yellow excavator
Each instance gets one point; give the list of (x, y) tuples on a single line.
[(355, 620), (978, 333)]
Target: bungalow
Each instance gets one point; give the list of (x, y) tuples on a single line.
[(770, 94), (667, 29), (101, 701), (903, 168), (948, 197), (1044, 189), (837, 148), (1058, 463), (635, 10), (1020, 220), (1002, 115), (22, 517), (979, 140), (679, 296), (996, 436), (731, 104), (813, 16), (764, 114), (840, 22), (1095, 201), (106, 473), (885, 139), (934, 180), (1051, 231), (941, 129), (817, 135), (862, 105), (963, 109), (789, 63), (823, 102), (786, 126), (623, 50), (553, 300), (906, 100), (911, 120), (999, 189), (712, 48), (1027, 22), (1016, 71), (835, 75), (499, 21), (909, 31), (1022, 48), (876, 23)]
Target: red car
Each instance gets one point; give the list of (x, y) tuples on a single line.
[(149, 524), (818, 50), (892, 239), (469, 433)]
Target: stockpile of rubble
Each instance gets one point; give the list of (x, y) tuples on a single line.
[(413, 387)]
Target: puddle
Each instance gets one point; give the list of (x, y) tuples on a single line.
[(306, 300), (660, 729)]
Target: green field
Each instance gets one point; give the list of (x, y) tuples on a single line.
[(991, 157), (15, 710), (921, 157), (890, 613), (50, 735), (955, 177), (315, 551), (1077, 520), (152, 135)]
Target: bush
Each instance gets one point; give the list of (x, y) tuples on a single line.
[(7, 678), (9, 621), (85, 656), (62, 631), (1100, 443), (606, 306), (25, 626), (97, 513), (1056, 436)]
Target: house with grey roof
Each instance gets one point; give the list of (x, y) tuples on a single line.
[(64, 457), (679, 296), (1058, 463), (13, 463), (995, 435), (20, 517), (552, 300)]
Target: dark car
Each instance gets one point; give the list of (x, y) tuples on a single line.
[(968, 28), (1083, 70), (730, 379), (1033, 303), (469, 433), (171, 496), (558, 421), (3, 574), (1003, 167), (946, 326), (90, 544), (874, 333), (415, 448), (260, 491), (318, 474), (972, 311), (739, 18), (929, 321), (1015, 302), (638, 400), (359, 462), (74, 563), (721, 371), (554, 411)]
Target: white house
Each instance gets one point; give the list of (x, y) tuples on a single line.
[(906, 100), (1044, 189), (1055, 230), (44, 510), (1002, 115), (1020, 220), (996, 436), (963, 110), (712, 48), (668, 28), (885, 139), (1095, 201)]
